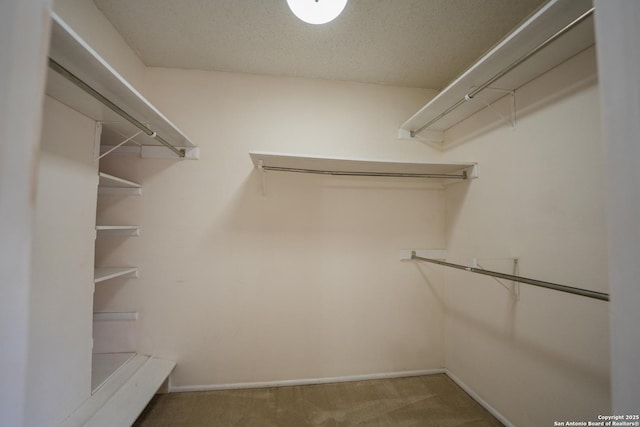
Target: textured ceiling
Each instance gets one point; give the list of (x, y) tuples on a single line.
[(416, 43)]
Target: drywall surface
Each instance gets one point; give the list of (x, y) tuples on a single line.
[(59, 366), (21, 94), (618, 33), (91, 25), (303, 282), (540, 198)]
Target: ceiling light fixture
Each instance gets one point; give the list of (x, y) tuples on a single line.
[(317, 11)]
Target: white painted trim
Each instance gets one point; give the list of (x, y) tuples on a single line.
[(475, 396), (305, 381), (124, 395)]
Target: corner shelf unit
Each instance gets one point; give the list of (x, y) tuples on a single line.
[(69, 52), (556, 32), (443, 172), (116, 370)]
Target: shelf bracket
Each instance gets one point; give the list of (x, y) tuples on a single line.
[(512, 104), (514, 289), (119, 145), (263, 175)]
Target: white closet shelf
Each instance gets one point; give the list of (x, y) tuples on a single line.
[(104, 365), (105, 273), (109, 184), (540, 27), (126, 384), (75, 55), (361, 167), (117, 230)]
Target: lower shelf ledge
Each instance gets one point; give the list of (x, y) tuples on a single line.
[(123, 395), (101, 274)]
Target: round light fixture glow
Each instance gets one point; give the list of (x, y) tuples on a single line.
[(317, 11)]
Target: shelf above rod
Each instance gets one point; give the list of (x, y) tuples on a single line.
[(285, 162), (505, 70), (549, 285), (112, 106), (556, 32)]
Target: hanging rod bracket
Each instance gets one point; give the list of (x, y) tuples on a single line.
[(514, 289), (263, 175), (427, 136)]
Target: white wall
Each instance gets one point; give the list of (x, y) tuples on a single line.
[(618, 37), (540, 197), (290, 290), (303, 283), (21, 92), (59, 364)]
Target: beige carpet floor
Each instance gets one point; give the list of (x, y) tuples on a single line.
[(432, 400)]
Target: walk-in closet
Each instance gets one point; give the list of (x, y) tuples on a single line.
[(223, 213)]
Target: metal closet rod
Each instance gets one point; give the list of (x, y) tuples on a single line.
[(463, 175), (506, 70), (104, 100), (563, 288)]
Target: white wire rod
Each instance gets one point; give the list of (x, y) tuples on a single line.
[(463, 175), (506, 70), (119, 111), (549, 285)]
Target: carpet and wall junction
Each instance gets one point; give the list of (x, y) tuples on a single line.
[(432, 400)]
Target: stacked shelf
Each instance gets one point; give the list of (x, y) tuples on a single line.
[(109, 184), (114, 333), (112, 185)]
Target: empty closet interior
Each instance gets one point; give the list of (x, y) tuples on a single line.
[(311, 230)]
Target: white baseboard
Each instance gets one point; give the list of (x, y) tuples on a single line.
[(305, 381), (478, 399), (349, 378)]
